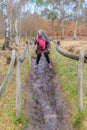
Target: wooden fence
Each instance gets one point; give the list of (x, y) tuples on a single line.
[(82, 58), (16, 56), (3, 85)]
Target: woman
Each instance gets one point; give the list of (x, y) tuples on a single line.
[(43, 46)]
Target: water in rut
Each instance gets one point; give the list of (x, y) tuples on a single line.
[(45, 105)]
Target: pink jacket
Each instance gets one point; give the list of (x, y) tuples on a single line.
[(42, 46)]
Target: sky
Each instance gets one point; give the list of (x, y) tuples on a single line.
[(31, 7)]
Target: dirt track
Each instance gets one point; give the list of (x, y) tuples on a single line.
[(46, 107)]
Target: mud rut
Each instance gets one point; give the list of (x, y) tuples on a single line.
[(46, 107)]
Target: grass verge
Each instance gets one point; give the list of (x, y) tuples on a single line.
[(67, 70), (8, 119)]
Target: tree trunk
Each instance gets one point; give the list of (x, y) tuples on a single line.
[(76, 23), (75, 30), (16, 29), (10, 19), (52, 23), (20, 27), (62, 37), (6, 23)]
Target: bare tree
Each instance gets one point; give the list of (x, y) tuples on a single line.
[(78, 7), (6, 24), (14, 8), (76, 23)]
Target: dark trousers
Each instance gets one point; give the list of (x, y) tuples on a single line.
[(46, 56)]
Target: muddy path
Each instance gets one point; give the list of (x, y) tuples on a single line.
[(46, 107)]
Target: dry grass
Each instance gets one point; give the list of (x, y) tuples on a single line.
[(8, 119), (74, 46)]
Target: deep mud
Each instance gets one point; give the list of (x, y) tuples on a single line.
[(46, 107)]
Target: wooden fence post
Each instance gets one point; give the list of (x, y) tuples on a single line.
[(18, 90), (80, 79), (57, 56)]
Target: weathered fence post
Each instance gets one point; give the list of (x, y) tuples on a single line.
[(18, 90), (56, 56), (80, 79)]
